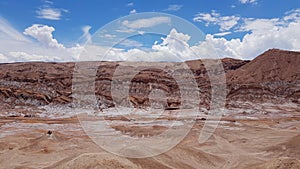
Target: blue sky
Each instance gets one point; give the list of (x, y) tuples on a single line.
[(227, 22)]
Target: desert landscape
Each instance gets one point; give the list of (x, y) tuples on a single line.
[(259, 125)]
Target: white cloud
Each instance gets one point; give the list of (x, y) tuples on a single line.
[(8, 32), (262, 34), (21, 56), (248, 1), (16, 47), (222, 46), (3, 59), (43, 34), (175, 46), (109, 36), (222, 34), (132, 11), (175, 43), (292, 15), (146, 23), (50, 13), (86, 37), (130, 43), (173, 7), (125, 30), (260, 25), (141, 32), (225, 22), (130, 4), (48, 2)]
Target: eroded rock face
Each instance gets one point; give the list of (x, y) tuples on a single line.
[(35, 83), (272, 77)]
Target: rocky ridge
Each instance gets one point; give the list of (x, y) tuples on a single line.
[(271, 77)]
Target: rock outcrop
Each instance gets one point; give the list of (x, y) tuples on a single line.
[(273, 76)]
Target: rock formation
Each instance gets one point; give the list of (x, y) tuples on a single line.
[(271, 77)]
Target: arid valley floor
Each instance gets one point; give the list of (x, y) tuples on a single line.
[(259, 127)]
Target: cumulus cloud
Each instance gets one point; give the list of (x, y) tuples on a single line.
[(173, 7), (18, 47), (146, 23), (175, 43), (262, 34), (174, 47), (43, 34), (225, 22)]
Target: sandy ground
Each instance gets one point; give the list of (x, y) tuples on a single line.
[(237, 143)]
